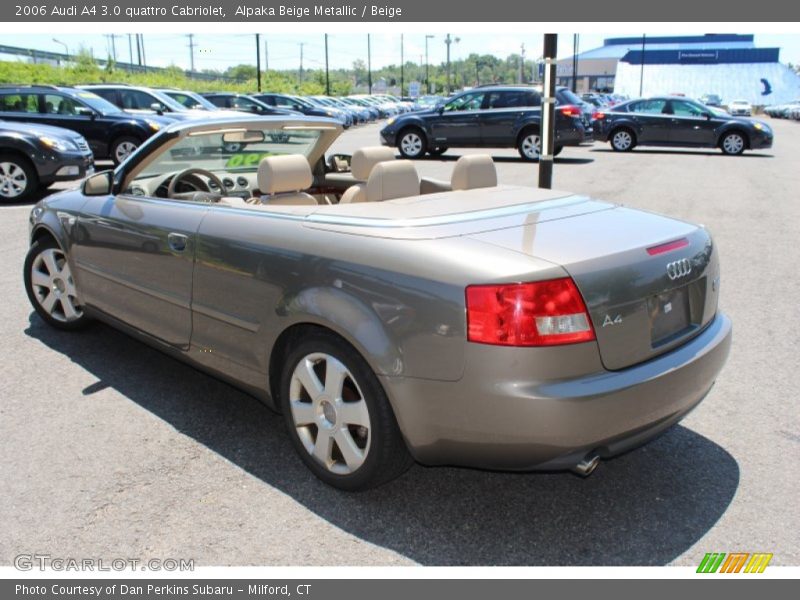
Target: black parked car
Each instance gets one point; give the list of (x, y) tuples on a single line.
[(245, 103), (293, 103), (110, 132), (496, 116), (34, 156), (678, 121)]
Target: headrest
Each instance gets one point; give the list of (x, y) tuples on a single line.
[(287, 173), (364, 159), (474, 171), (395, 179)]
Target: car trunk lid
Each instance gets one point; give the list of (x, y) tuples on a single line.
[(650, 283)]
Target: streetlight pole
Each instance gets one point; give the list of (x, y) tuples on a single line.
[(66, 48), (427, 65), (448, 41), (641, 75), (327, 74), (401, 66), (548, 111), (369, 64), (258, 61), (575, 63)]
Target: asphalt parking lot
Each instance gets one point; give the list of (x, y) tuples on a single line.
[(110, 449)]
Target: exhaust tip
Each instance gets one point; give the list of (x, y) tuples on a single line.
[(587, 466)]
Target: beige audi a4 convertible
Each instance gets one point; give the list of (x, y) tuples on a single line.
[(390, 318)]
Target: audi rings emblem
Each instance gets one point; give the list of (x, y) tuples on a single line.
[(679, 268)]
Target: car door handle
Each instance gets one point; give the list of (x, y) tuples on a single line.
[(177, 241)]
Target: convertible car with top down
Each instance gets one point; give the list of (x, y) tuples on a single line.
[(390, 318)]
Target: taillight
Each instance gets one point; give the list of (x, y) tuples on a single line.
[(598, 115), (542, 313), (570, 110)]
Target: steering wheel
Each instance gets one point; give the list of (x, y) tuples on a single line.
[(200, 195)]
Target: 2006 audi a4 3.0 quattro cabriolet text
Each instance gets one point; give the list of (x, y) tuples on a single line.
[(389, 317)]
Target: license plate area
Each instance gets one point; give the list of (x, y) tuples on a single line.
[(670, 315)]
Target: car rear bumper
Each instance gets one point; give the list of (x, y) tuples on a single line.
[(519, 423)]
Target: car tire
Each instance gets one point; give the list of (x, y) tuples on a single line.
[(733, 143), (51, 288), (412, 143), (438, 151), (622, 140), (529, 145), (122, 147), (18, 178), (362, 446)]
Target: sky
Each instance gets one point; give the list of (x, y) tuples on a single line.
[(220, 51)]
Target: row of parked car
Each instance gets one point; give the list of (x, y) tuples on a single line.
[(790, 110), (54, 133)]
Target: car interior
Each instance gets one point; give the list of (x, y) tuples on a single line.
[(257, 169)]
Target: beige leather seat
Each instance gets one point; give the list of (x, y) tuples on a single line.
[(361, 165), (282, 180), (388, 180), (474, 171)]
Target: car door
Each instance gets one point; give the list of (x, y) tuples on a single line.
[(68, 112), (651, 124), (691, 124), (457, 123), (134, 258), (502, 110)]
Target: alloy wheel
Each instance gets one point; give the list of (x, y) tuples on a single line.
[(622, 140), (53, 286), (329, 413), (411, 144), (531, 146), (124, 150), (733, 143), (13, 180)]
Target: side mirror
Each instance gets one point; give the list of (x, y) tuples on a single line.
[(707, 115), (85, 111), (339, 163), (440, 109), (157, 107), (99, 184)]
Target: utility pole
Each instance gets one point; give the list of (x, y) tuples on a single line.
[(301, 61), (448, 41), (266, 55), (548, 111), (327, 74), (138, 51), (427, 65), (522, 63), (258, 61), (191, 52), (641, 76), (369, 63), (130, 49), (114, 47), (144, 56), (402, 66)]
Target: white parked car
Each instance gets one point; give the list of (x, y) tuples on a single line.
[(740, 108)]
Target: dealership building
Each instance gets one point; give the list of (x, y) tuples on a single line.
[(728, 65)]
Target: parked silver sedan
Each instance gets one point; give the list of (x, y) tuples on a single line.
[(390, 318)]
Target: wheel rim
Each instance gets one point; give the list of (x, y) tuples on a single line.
[(411, 144), (330, 413), (733, 144), (622, 140), (531, 146), (13, 180), (53, 286), (124, 150)]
